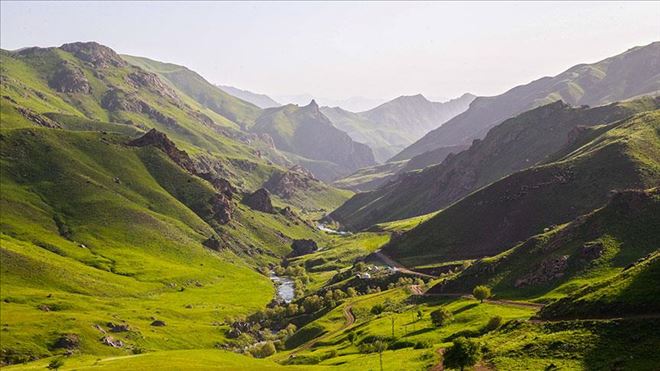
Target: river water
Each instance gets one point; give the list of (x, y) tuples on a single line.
[(285, 287)]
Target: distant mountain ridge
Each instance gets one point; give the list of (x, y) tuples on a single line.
[(307, 132), (259, 100), (520, 142), (397, 123), (633, 73)]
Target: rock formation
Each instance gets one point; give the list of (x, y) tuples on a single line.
[(260, 201)]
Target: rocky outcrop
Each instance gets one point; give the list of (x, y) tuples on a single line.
[(303, 247), (285, 184), (213, 243), (161, 141), (112, 342), (96, 54), (158, 323), (592, 250), (150, 81), (550, 269), (222, 208), (70, 79), (67, 341), (219, 184), (118, 100), (260, 201), (122, 327), (37, 118)]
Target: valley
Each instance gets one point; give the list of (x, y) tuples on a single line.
[(153, 219)]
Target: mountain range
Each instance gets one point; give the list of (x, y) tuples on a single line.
[(150, 219), (534, 134), (259, 100), (624, 76)]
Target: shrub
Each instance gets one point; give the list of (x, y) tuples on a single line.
[(263, 350), (56, 364), (351, 336), (440, 317), (377, 309), (424, 344), (481, 293), (494, 323), (464, 353)]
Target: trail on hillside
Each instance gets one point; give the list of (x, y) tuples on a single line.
[(349, 318), (393, 263)]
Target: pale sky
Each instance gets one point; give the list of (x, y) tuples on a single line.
[(341, 49)]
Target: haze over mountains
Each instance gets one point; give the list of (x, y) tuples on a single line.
[(145, 212), (627, 75), (416, 194)]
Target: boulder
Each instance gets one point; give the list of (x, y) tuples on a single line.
[(112, 342), (213, 243), (260, 201), (118, 327), (158, 323), (303, 247), (222, 208), (67, 341)]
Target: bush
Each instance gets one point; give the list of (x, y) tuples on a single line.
[(424, 344), (263, 350), (56, 364), (377, 309), (481, 293), (494, 323), (464, 353), (400, 344), (440, 317)]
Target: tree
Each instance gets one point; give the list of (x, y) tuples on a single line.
[(420, 314), (481, 293), (291, 309), (440, 317), (463, 353), (380, 346), (56, 364), (312, 303), (351, 336), (351, 292)]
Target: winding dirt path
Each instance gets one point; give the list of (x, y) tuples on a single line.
[(349, 318)]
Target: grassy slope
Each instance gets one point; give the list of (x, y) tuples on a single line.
[(141, 245), (208, 95), (526, 202), (523, 141), (140, 218), (624, 230)]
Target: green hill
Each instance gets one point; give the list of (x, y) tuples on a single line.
[(631, 74), (590, 260), (306, 132), (497, 216), (529, 139), (100, 227)]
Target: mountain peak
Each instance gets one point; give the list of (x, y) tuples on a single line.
[(94, 53)]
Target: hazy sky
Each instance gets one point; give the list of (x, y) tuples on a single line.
[(342, 49)]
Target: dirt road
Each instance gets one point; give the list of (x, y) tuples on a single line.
[(393, 263)]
